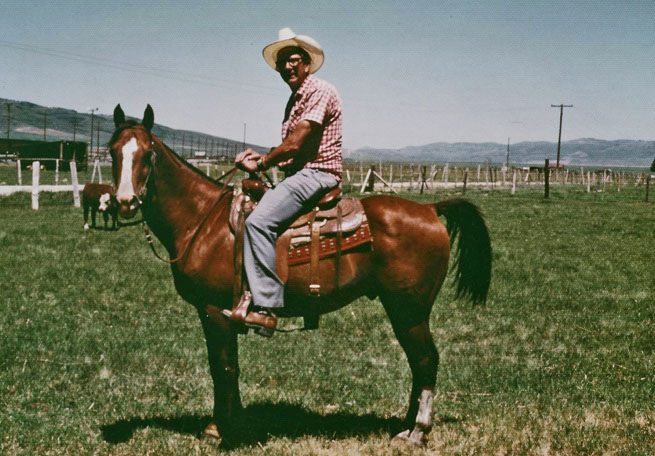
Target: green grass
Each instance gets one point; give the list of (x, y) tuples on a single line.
[(99, 355)]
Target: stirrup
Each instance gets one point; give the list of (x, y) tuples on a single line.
[(240, 312)]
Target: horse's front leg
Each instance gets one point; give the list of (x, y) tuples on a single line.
[(222, 350)]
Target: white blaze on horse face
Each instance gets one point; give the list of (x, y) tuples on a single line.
[(104, 202), (125, 191)]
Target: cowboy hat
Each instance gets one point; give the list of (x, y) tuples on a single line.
[(287, 38)]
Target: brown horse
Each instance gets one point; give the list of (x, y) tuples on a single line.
[(405, 267)]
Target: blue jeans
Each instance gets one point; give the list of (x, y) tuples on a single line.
[(277, 209)]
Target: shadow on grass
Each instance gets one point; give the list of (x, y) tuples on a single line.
[(262, 421)]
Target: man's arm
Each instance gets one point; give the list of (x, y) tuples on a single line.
[(304, 132)]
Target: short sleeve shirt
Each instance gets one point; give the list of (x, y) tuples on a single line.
[(316, 101)]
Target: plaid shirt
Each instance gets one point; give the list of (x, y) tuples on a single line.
[(316, 101)]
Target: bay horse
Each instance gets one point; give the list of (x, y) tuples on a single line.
[(405, 266)]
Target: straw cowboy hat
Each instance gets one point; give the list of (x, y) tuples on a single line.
[(286, 38)]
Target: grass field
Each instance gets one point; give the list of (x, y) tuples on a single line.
[(98, 354)]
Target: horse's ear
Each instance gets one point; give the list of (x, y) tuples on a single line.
[(119, 115), (148, 118)]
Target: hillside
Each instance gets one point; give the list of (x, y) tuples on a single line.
[(27, 121), (586, 151)]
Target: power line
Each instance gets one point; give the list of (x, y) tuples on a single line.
[(133, 67)]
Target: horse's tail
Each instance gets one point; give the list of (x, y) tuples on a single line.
[(472, 263)]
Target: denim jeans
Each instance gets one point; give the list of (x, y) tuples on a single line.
[(277, 209)]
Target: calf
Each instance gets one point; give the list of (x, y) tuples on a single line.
[(99, 197)]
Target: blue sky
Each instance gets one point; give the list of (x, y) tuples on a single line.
[(409, 73)]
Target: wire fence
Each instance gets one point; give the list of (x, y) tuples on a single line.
[(358, 177)]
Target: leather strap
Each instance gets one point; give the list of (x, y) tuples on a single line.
[(314, 280), (238, 256), (337, 257)]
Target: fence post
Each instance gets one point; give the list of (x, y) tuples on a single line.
[(370, 186), (546, 180), (424, 170), (647, 187), (36, 170), (57, 172), (364, 182), (433, 171), (93, 172), (76, 187), (466, 178), (20, 175), (619, 177), (411, 176), (513, 182), (588, 181)]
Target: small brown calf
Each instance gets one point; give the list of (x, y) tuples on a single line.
[(99, 197)]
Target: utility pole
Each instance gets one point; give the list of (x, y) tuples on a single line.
[(507, 160), (244, 135), (45, 123), (8, 125), (559, 139), (91, 137), (74, 126)]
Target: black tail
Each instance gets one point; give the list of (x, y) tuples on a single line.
[(473, 257)]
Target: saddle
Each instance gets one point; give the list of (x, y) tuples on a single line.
[(334, 225)]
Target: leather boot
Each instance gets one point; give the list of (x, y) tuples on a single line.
[(262, 320)]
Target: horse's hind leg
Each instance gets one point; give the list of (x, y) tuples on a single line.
[(222, 351), (410, 322)]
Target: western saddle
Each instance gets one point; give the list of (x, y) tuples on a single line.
[(334, 225)]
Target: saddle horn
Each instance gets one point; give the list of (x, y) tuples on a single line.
[(119, 115)]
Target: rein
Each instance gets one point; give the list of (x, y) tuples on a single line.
[(146, 229)]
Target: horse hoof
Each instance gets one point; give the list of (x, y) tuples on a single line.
[(402, 436), (86, 226), (416, 438), (211, 433)]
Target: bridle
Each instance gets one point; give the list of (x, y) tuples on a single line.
[(146, 229), (140, 196)]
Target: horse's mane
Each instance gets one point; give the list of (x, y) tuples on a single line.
[(134, 124)]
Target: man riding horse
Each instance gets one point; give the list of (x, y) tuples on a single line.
[(310, 156)]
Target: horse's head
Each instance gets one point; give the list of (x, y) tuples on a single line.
[(131, 149)]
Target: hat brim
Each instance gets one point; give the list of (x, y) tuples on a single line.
[(308, 44)]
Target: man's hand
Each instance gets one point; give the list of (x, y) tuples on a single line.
[(247, 160)]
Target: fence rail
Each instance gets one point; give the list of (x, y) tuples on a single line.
[(380, 177)]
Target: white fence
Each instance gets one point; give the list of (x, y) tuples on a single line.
[(36, 187), (387, 178)]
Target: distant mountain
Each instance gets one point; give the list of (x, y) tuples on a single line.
[(585, 151), (28, 119)]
